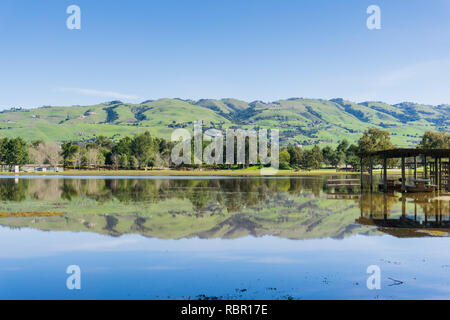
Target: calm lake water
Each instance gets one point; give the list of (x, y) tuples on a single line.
[(225, 238)]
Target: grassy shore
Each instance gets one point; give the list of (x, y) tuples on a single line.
[(226, 173)]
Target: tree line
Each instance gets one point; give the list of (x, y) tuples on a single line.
[(140, 151), (346, 154), (144, 150)]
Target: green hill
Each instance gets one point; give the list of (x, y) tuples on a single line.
[(300, 121)]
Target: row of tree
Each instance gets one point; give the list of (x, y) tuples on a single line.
[(143, 150), (346, 154), (140, 151), (136, 152)]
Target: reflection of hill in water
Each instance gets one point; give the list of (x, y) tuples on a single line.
[(170, 209), (296, 208)]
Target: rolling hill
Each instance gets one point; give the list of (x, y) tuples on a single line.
[(300, 121)]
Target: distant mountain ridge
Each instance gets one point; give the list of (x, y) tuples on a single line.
[(300, 121)]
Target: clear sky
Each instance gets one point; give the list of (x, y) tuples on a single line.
[(247, 49)]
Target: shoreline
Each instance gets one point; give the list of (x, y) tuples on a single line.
[(194, 173)]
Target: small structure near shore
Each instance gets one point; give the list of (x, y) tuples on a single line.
[(41, 168), (435, 162)]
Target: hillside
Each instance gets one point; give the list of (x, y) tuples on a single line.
[(301, 121)]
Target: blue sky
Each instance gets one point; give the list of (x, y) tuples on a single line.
[(265, 50)]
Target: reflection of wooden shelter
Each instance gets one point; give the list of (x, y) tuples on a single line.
[(408, 228), (434, 219), (436, 170)]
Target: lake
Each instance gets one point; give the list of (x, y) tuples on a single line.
[(218, 238)]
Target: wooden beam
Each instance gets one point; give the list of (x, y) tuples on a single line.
[(371, 173), (385, 174)]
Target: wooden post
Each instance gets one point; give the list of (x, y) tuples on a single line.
[(415, 168), (361, 165), (440, 173), (448, 174), (436, 176), (371, 173), (403, 175), (425, 168), (403, 206), (385, 174)]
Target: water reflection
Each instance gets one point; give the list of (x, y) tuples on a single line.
[(407, 215), (296, 208), (165, 208)]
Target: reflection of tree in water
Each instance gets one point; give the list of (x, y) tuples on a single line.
[(45, 189), (11, 190), (111, 222), (228, 207), (88, 188), (234, 194)]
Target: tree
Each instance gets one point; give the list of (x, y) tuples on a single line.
[(53, 153), (94, 157), (342, 146), (36, 157), (337, 158), (45, 153), (133, 162), (284, 159), (16, 151), (328, 154), (68, 152), (375, 140), (123, 161), (294, 156), (103, 142), (311, 159), (316, 157), (143, 149), (77, 159), (435, 140), (115, 160), (351, 157)]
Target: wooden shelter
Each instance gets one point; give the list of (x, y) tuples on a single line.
[(434, 161)]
